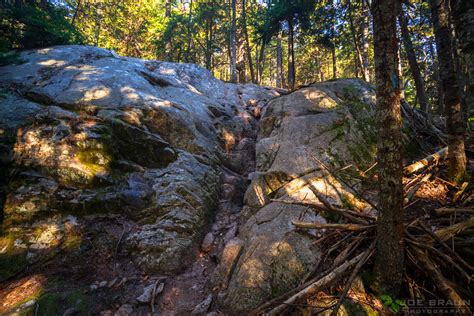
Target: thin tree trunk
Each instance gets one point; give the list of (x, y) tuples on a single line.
[(439, 85), (356, 66), (247, 42), (209, 45), (319, 65), (365, 40), (97, 25), (260, 61), (168, 40), (452, 98), (291, 57), (334, 60), (188, 43), (75, 12), (400, 72), (463, 18), (233, 44), (333, 42), (415, 70), (389, 264), (279, 59), (358, 61)]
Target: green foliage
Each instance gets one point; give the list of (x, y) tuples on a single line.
[(56, 303), (9, 58), (394, 304), (32, 25)]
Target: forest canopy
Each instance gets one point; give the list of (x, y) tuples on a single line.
[(323, 39)]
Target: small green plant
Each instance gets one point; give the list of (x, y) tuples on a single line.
[(394, 304)]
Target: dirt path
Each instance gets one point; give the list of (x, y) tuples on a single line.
[(185, 291)]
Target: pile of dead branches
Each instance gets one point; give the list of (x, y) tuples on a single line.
[(437, 245), (422, 125)]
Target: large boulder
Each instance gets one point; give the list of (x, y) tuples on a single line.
[(87, 132), (304, 138)]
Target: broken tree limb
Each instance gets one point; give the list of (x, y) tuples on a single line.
[(319, 284), (443, 211), (411, 193), (315, 225), (449, 232), (447, 260), (419, 123), (331, 208), (348, 214), (340, 179), (421, 164), (442, 283), (446, 247), (354, 273), (348, 251)]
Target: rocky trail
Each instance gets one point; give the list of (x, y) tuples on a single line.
[(132, 187), (193, 291), (89, 257)]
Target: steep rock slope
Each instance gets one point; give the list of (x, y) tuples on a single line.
[(317, 139), (84, 131)]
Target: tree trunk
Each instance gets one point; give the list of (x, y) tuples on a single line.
[(452, 98), (247, 42), (233, 44), (168, 40), (291, 57), (78, 6), (389, 264), (319, 65), (188, 43), (279, 59), (334, 60), (365, 40), (358, 61), (333, 42), (209, 45), (439, 85), (463, 18), (415, 70), (98, 19)]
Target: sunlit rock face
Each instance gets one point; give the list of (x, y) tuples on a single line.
[(87, 131), (318, 138)]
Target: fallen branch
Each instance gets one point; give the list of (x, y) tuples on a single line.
[(447, 259), (411, 193), (319, 284), (354, 273), (354, 191), (449, 232), (340, 242), (118, 245), (421, 164), (441, 282), (460, 192), (348, 251), (351, 227), (443, 211), (348, 214), (446, 247), (325, 237), (331, 208)]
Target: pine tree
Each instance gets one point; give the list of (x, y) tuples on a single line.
[(389, 263)]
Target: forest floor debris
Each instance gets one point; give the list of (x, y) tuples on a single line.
[(439, 261)]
